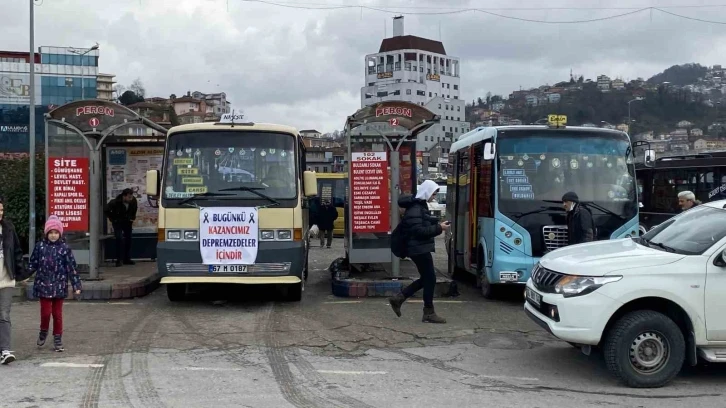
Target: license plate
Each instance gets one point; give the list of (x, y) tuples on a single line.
[(508, 277), (227, 268), (533, 297)]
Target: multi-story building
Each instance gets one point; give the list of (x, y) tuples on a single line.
[(216, 103), (417, 70), (603, 83), (104, 87), (62, 75)]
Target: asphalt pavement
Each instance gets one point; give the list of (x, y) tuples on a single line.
[(248, 349)]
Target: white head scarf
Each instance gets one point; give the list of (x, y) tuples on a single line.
[(426, 190)]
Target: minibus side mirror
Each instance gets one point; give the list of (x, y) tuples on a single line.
[(152, 182), (490, 151), (310, 184)]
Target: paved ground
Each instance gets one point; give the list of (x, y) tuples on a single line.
[(321, 352)]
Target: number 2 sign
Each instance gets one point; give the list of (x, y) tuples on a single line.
[(393, 121)]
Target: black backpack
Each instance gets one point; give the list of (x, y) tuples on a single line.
[(398, 242)]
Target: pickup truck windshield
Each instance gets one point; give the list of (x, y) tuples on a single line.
[(690, 233)]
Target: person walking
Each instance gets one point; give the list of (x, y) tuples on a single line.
[(121, 211), (580, 225), (327, 214), (53, 263), (11, 270), (419, 229)]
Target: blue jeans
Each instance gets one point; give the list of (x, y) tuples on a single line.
[(6, 300)]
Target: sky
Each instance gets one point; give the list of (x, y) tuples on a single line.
[(305, 67)]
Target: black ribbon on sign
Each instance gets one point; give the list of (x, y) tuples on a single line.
[(252, 219), (206, 218)]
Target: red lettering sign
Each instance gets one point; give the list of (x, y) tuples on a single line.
[(95, 110), (68, 179), (94, 122), (370, 202), (393, 121), (394, 110)]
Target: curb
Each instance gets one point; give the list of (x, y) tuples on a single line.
[(383, 288), (100, 290)]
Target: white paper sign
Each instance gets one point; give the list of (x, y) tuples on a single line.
[(228, 235)]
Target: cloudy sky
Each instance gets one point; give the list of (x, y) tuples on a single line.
[(305, 67)]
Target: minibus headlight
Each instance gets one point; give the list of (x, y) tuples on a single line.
[(267, 235), (190, 235), (173, 235), (284, 235)]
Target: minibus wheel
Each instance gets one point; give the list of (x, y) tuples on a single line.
[(176, 291), (293, 293)]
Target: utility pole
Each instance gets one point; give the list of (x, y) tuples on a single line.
[(31, 132)]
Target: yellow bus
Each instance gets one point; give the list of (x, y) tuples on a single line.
[(333, 186), (233, 206)]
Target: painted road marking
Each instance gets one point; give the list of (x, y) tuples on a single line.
[(343, 302), (352, 372), (206, 369), (71, 365)]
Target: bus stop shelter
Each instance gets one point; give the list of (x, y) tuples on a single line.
[(73, 168), (376, 158)]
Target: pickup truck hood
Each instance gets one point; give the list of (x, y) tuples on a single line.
[(603, 257)]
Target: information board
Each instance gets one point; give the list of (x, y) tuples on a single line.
[(68, 191), (370, 192), (126, 168)]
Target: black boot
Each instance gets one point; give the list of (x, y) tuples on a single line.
[(396, 303), (42, 337), (430, 316), (58, 343)]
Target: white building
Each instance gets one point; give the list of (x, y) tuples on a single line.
[(417, 70), (217, 103), (603, 82), (104, 87)]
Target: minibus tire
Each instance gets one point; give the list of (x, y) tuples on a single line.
[(176, 291), (487, 289), (293, 293)]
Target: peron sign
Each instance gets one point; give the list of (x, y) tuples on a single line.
[(95, 110), (394, 110)]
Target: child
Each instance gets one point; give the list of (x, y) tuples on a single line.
[(53, 262)]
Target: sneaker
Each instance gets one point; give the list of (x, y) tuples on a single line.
[(42, 337), (6, 357), (58, 344)]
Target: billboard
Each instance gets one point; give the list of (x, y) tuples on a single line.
[(15, 88)]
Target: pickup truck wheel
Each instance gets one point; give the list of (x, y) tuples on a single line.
[(645, 349)]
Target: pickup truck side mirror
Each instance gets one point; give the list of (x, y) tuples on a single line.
[(721, 259)]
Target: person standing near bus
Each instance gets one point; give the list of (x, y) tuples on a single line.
[(420, 228), (687, 200), (325, 219), (580, 226), (121, 211)]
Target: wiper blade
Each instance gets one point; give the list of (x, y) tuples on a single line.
[(663, 246), (253, 190), (603, 209), (540, 210), (206, 194)]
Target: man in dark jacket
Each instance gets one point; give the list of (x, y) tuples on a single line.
[(121, 212), (580, 226), (420, 228), (12, 269), (325, 219)]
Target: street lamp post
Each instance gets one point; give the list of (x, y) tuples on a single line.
[(639, 98), (83, 53)]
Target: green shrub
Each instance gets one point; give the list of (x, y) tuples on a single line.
[(15, 190)]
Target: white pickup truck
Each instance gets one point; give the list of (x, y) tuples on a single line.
[(649, 303)]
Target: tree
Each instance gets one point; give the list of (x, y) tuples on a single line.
[(489, 98), (129, 98), (138, 88)]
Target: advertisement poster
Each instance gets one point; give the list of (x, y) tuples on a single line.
[(126, 168), (228, 238), (369, 186), (68, 191), (405, 170)]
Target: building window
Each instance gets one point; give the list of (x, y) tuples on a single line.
[(421, 93), (429, 94), (443, 128), (368, 96), (458, 108), (447, 107), (439, 106), (408, 92), (456, 97), (397, 92), (448, 86), (371, 83), (443, 85), (456, 87)]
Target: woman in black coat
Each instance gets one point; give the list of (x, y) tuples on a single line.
[(420, 228)]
